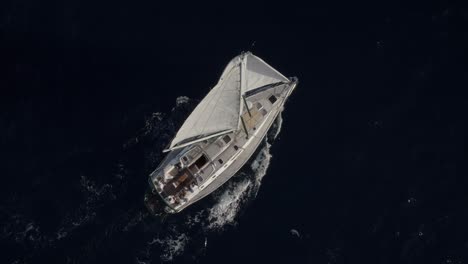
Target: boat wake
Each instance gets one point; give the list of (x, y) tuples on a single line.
[(187, 233), (235, 194), (220, 211)]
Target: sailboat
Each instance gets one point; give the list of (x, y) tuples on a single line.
[(222, 132)]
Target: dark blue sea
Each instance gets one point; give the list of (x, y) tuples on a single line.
[(366, 164)]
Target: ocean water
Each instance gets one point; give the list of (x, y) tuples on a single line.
[(186, 234), (369, 167)]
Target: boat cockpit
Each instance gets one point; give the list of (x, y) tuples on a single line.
[(180, 178)]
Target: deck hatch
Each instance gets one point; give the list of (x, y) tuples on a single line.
[(227, 139), (272, 99)]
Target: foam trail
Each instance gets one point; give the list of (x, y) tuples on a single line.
[(229, 200), (236, 194), (172, 246), (278, 124), (228, 205), (260, 166)]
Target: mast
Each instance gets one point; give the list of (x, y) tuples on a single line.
[(246, 106), (242, 100), (242, 86)]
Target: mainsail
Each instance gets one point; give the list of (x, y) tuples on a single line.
[(218, 113)]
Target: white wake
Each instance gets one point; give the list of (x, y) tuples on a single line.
[(229, 201)]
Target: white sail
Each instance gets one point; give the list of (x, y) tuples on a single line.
[(259, 73), (217, 113)]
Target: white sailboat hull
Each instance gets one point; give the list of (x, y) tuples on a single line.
[(193, 170), (239, 161)]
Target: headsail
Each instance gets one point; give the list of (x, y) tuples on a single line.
[(217, 113), (259, 73)]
